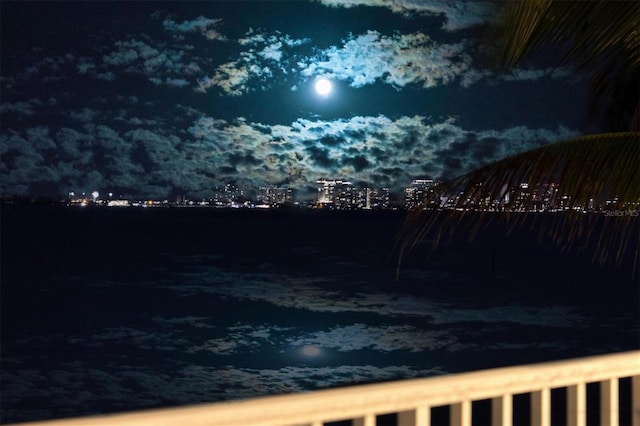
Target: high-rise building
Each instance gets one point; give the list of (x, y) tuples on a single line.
[(329, 191), (417, 192), (227, 195), (378, 198), (274, 196), (343, 195), (349, 197)]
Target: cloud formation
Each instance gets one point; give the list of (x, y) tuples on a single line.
[(163, 145), (365, 59), (205, 26), (378, 149), (458, 15), (398, 60), (22, 107), (157, 162), (261, 59), (160, 65), (264, 57)]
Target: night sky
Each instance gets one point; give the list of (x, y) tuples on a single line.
[(157, 99)]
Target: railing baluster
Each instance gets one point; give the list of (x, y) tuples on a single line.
[(416, 396), (577, 405), (502, 411), (609, 402), (367, 420), (461, 414), (541, 407), (635, 401), (421, 416)]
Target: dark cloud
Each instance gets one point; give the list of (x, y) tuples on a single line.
[(458, 15), (331, 140), (22, 107), (245, 159), (486, 149), (366, 149), (320, 157), (358, 162)]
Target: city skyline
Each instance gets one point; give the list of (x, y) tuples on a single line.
[(339, 194), (180, 98)]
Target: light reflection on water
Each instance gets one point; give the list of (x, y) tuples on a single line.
[(204, 313)]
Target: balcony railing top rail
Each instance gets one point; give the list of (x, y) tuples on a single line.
[(366, 401)]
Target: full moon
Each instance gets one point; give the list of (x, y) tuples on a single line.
[(323, 86)]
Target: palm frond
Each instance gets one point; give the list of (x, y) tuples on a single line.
[(600, 38), (595, 172), (584, 32), (591, 167)]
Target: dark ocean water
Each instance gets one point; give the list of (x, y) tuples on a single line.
[(108, 310)]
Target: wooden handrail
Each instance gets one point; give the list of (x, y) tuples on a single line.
[(410, 398)]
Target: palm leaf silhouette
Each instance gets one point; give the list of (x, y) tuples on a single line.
[(595, 172), (602, 40), (599, 38)]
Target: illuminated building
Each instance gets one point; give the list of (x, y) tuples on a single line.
[(521, 198), (378, 198), (343, 195), (328, 191), (227, 195), (274, 196), (417, 192)]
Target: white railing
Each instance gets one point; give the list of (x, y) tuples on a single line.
[(413, 399)]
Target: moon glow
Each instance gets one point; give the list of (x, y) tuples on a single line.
[(323, 86), (311, 351)]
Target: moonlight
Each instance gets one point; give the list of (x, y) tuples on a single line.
[(323, 86)]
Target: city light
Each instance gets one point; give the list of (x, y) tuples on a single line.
[(343, 194)]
